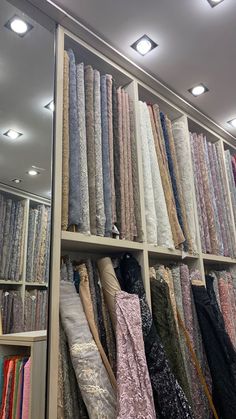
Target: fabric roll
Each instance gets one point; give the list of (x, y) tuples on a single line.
[(183, 155), (89, 113), (233, 162), (95, 284), (164, 234), (132, 231), (74, 204), (135, 397), (88, 309), (100, 211), (26, 390), (110, 285), (33, 214), (110, 337), (220, 354), (135, 176), (105, 159), (86, 185), (228, 310), (110, 141), (170, 401), (179, 232), (125, 159), (5, 246), (91, 374), (230, 175), (118, 155), (65, 145)]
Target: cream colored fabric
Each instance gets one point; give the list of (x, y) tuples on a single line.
[(65, 146), (85, 296), (110, 285)]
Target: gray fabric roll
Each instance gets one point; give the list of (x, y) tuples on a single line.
[(92, 378), (89, 112), (5, 237), (100, 211), (84, 224), (105, 159), (74, 204)]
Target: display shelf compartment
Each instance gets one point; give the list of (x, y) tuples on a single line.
[(6, 282), (71, 241), (36, 284), (217, 259), (163, 252)]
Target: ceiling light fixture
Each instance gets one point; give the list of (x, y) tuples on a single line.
[(144, 45), (214, 3), (18, 25), (11, 133), (17, 180), (232, 123), (32, 172), (50, 106), (198, 90)]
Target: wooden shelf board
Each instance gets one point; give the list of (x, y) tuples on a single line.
[(36, 284), (217, 259), (76, 241), (24, 337), (163, 252), (4, 281)]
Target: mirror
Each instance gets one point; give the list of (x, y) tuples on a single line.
[(26, 125)]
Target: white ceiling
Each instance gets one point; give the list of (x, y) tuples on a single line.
[(197, 43), (26, 86)]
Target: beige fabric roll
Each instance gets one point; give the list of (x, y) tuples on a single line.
[(122, 169), (110, 139), (85, 296), (110, 285), (126, 176), (130, 180), (65, 146)]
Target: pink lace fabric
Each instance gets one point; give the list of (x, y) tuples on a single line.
[(135, 398)]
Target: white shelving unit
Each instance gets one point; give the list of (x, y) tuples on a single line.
[(33, 344), (76, 243)]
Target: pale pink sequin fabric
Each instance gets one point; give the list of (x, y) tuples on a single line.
[(135, 398)]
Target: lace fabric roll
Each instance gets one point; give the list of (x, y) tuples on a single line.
[(100, 211), (91, 375), (110, 141), (135, 399), (65, 145), (230, 175), (84, 171), (125, 141)]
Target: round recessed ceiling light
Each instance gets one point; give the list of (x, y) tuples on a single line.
[(33, 172), (17, 180), (144, 46), (11, 133), (198, 90), (19, 26)]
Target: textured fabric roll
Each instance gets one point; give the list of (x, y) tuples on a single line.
[(85, 169), (74, 204), (135, 399), (26, 390), (233, 161), (183, 155), (220, 354), (135, 176), (226, 306), (95, 283), (125, 159), (85, 296), (5, 246), (163, 166), (33, 215), (150, 211), (105, 159), (110, 141), (89, 113), (91, 374), (110, 338), (231, 180), (180, 237), (170, 401), (100, 212), (131, 230), (110, 285), (117, 136), (65, 145)]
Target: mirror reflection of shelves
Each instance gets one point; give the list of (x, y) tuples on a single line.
[(24, 260)]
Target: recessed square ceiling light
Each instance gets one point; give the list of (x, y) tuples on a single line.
[(232, 123), (16, 180), (214, 3), (11, 133), (198, 90), (18, 25), (50, 106), (144, 45), (32, 172)]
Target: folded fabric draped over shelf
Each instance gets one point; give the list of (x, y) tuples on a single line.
[(216, 224), (38, 250), (167, 172), (15, 387), (100, 192), (12, 230)]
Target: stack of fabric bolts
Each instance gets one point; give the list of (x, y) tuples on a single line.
[(168, 190), (100, 192), (216, 224), (230, 167), (12, 227), (35, 310), (38, 251), (15, 386), (12, 311)]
